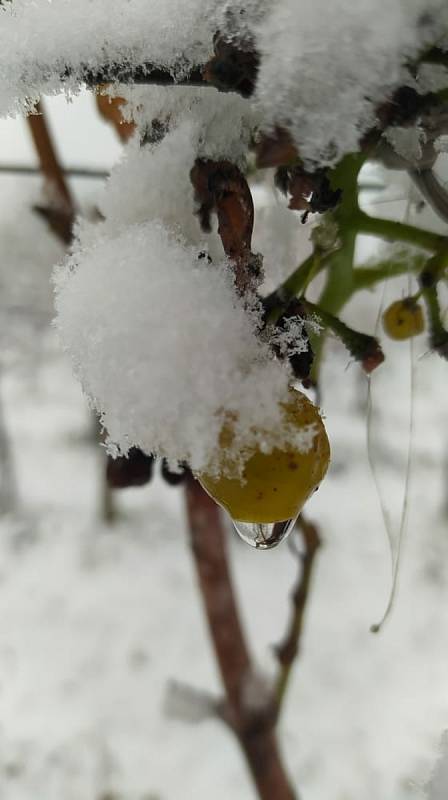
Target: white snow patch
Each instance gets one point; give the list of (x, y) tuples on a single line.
[(165, 348), (438, 785)]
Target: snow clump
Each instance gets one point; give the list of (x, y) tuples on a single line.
[(166, 350)]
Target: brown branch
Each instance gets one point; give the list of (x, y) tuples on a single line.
[(289, 648), (254, 727), (233, 68), (60, 213), (143, 74)]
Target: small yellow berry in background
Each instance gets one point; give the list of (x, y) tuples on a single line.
[(275, 486), (404, 319)]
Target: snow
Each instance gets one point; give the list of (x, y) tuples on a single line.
[(165, 348), (438, 785), (165, 379), (321, 82), (97, 620), (37, 53), (278, 235), (153, 182)]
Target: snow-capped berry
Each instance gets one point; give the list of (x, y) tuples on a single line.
[(274, 486)]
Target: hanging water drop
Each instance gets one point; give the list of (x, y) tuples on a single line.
[(264, 535), (265, 498)]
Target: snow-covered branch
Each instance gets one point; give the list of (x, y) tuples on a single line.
[(323, 83)]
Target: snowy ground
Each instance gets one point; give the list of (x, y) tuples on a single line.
[(96, 621)]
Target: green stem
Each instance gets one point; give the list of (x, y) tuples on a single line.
[(296, 282), (339, 286), (361, 346), (434, 268), (394, 231), (342, 279), (367, 277), (435, 55), (345, 177), (438, 334)]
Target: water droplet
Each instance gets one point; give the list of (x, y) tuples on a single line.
[(264, 535)]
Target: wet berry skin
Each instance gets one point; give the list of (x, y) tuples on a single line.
[(275, 486)]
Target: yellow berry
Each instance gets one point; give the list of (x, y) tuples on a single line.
[(404, 319), (275, 486)]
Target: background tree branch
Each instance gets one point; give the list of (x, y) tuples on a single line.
[(60, 212)]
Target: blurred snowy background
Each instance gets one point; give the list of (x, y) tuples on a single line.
[(96, 619)]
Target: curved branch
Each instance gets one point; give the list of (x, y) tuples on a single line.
[(254, 727)]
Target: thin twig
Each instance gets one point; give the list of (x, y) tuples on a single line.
[(72, 172), (48, 157), (289, 648), (60, 213), (253, 726)]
